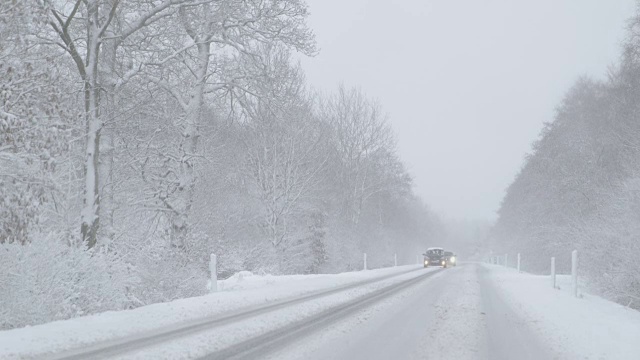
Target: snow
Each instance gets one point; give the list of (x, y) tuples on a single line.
[(459, 333), (439, 318), (587, 327), (481, 312), (240, 291), (472, 311), (223, 337)]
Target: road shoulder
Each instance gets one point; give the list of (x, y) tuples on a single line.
[(588, 327), (509, 333)]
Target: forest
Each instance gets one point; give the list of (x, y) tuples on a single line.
[(139, 137), (579, 188)]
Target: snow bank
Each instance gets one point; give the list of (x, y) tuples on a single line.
[(588, 327), (237, 292)]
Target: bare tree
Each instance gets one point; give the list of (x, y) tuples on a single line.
[(361, 132), (219, 36), (82, 28)]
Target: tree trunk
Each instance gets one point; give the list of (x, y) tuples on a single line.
[(189, 149), (107, 141), (91, 201), (90, 215)]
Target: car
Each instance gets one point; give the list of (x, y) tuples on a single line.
[(450, 258), (434, 257)]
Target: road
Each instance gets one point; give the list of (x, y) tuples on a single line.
[(454, 313), (457, 314), (473, 311)]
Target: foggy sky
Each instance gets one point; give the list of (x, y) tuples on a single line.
[(467, 83)]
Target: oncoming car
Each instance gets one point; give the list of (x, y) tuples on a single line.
[(435, 257), (450, 258)]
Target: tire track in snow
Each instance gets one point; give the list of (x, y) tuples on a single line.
[(118, 347), (261, 346)]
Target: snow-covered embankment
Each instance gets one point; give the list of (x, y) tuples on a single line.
[(587, 327)]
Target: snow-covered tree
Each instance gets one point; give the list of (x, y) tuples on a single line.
[(33, 128)]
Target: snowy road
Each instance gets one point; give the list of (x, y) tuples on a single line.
[(455, 315), (473, 311), (508, 334)]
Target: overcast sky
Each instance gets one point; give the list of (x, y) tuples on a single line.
[(467, 83)]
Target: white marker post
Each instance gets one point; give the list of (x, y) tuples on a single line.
[(365, 261), (395, 259), (518, 262), (213, 267), (506, 263), (553, 272), (574, 272)]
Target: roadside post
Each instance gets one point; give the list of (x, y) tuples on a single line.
[(213, 267), (518, 262), (553, 272), (574, 272), (365, 261), (506, 263)]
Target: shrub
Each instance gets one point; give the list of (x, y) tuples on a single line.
[(47, 280)]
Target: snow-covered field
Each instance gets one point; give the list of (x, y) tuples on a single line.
[(237, 292), (587, 327)]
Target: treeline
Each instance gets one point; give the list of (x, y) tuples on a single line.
[(580, 187), (138, 137)]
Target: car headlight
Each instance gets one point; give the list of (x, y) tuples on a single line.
[(453, 259), (426, 262), (442, 262)]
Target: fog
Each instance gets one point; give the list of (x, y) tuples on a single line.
[(468, 84)]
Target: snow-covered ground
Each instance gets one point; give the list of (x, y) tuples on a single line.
[(237, 292), (477, 311), (439, 318), (588, 327), (473, 311), (238, 333)]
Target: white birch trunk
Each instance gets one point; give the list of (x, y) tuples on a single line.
[(189, 149), (107, 142), (90, 215)]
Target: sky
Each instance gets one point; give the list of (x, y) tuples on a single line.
[(467, 84)]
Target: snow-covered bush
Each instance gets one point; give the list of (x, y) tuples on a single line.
[(168, 273), (47, 280)]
